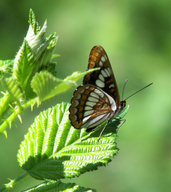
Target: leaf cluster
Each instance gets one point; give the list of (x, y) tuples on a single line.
[(30, 78)]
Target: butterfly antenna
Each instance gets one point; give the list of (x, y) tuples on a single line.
[(124, 88), (138, 91)]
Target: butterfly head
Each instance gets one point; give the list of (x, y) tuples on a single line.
[(123, 104)]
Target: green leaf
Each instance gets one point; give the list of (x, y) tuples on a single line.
[(11, 99), (78, 75), (24, 67), (13, 88), (6, 67), (52, 149), (45, 85), (33, 22), (35, 55), (52, 186)]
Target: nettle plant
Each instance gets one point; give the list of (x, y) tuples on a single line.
[(52, 149)]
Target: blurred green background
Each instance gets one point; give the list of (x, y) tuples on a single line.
[(137, 38)]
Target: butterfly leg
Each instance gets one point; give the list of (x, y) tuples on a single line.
[(123, 121), (102, 130)]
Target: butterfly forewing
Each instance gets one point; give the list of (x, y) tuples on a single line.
[(90, 106), (102, 78)]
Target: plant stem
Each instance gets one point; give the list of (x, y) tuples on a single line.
[(16, 112), (13, 182)]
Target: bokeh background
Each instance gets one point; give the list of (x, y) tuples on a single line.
[(137, 37)]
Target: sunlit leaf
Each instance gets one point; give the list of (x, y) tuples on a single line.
[(24, 67), (13, 88), (52, 186), (52, 149), (33, 22), (45, 85), (10, 103), (35, 55), (78, 75), (6, 67)]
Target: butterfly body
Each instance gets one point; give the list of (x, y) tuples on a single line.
[(97, 100)]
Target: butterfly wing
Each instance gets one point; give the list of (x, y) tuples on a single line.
[(90, 106), (102, 78)]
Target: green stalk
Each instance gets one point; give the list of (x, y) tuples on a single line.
[(13, 182), (16, 112)]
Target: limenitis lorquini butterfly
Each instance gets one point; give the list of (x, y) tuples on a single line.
[(97, 100)]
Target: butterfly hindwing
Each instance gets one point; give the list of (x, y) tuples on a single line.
[(90, 106)]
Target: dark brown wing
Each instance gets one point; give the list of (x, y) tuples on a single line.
[(103, 78), (90, 106)]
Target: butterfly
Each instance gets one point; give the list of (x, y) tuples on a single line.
[(97, 100)]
